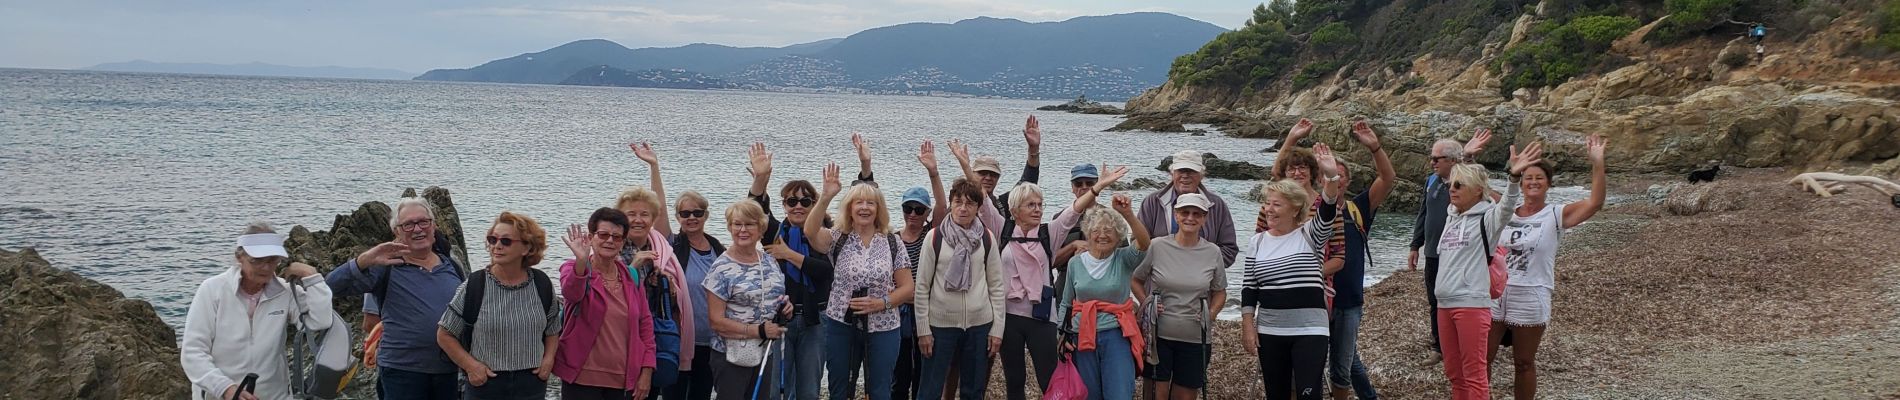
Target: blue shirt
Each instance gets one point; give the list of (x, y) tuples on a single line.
[(697, 266), (1349, 284), (415, 302)]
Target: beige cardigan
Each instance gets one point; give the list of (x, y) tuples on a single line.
[(938, 307)]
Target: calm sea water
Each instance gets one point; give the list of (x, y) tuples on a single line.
[(143, 181)]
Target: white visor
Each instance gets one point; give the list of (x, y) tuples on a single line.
[(260, 245)]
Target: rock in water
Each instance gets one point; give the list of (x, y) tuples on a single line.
[(68, 337), (1223, 169), (1083, 105)]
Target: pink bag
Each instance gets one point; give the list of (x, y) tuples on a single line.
[(1495, 258), (1066, 384)]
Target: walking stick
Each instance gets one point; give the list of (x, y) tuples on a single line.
[(762, 365), (1207, 348)]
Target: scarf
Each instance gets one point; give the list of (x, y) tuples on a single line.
[(963, 242)]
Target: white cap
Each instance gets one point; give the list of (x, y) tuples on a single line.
[(260, 245), (1195, 200), (1187, 159)]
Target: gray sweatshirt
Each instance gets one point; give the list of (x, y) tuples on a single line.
[(1464, 277)]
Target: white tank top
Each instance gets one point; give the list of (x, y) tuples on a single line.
[(1533, 243)]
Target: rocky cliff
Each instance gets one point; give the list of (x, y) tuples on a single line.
[(68, 337), (1814, 101)]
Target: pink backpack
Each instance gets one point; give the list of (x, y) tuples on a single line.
[(1496, 262)]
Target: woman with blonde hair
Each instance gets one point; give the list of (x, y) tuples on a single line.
[(1472, 225), (1283, 304), (871, 278), (743, 289), (499, 310)]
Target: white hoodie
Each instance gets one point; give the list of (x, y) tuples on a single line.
[(1464, 277), (223, 342)]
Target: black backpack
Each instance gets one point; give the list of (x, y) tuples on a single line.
[(1043, 308), (478, 284)]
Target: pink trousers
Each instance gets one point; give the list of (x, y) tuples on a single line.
[(1463, 335)]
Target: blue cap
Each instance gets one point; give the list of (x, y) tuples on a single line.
[(917, 195), (1084, 171)]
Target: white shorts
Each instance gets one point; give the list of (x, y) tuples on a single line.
[(1523, 306)]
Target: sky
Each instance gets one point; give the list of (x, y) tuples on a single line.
[(419, 35)]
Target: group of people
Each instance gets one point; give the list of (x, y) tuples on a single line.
[(1121, 294)]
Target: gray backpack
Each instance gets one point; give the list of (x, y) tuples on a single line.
[(329, 364)]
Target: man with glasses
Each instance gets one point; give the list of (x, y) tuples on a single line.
[(1082, 178), (1446, 153), (414, 278), (989, 172), (1185, 176)]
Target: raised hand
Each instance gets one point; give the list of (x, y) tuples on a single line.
[(864, 147), (1114, 174), (1122, 203), (1362, 132), (927, 155), (1299, 130), (832, 185), (576, 241), (1596, 146), (1328, 165), (1476, 144), (960, 151), (384, 254), (644, 151), (1032, 133), (761, 160), (1520, 161)]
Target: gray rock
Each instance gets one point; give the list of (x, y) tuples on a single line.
[(1083, 105), (68, 337), (1659, 192), (1224, 169)]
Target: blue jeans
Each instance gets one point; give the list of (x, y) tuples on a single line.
[(398, 384), (1345, 346), (805, 346), (1109, 370), (847, 349), (971, 350)]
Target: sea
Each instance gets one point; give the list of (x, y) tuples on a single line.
[(144, 181)]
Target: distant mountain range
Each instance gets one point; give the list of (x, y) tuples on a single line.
[(1108, 57), (252, 69)]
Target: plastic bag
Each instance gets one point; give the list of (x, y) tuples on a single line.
[(1066, 384)]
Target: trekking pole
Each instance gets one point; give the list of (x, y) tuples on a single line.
[(1207, 348), (762, 364)]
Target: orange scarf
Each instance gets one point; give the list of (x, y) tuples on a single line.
[(1124, 315)]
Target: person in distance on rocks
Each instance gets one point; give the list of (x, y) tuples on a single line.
[(238, 320), (416, 278)]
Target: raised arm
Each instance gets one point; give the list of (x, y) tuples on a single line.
[(1292, 139), (1578, 212), (644, 151), (1520, 160), (927, 155), (761, 170), (1032, 136), (815, 231), (1083, 202), (864, 159), (1125, 206), (1381, 163), (1329, 171), (962, 153), (1476, 144)]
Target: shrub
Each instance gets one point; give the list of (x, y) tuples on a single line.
[(1688, 18), (1604, 29), (1558, 52), (1332, 37)]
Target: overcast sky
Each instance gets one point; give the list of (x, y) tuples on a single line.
[(419, 35)]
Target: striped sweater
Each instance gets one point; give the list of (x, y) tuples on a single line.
[(1285, 290)]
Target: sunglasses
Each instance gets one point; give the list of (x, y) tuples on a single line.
[(692, 213), (800, 201), (504, 242), (1083, 183), (609, 236), (1457, 186), (1439, 158), (916, 210)]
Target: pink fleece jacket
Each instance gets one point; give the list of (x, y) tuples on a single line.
[(582, 325)]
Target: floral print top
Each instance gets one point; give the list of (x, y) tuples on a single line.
[(870, 267)]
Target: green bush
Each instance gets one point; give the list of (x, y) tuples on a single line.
[(1332, 37), (1604, 29), (1688, 18), (1252, 55), (1313, 73)]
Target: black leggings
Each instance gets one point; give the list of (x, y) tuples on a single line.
[(910, 366), (1293, 365), (1431, 298), (1040, 338)]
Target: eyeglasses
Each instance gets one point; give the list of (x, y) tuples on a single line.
[(800, 201), (916, 210), (1083, 183), (692, 213), (609, 236), (415, 225)]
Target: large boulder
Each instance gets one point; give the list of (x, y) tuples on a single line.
[(1083, 105), (68, 337)]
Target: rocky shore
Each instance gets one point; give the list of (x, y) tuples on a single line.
[(1082, 105), (1779, 295)]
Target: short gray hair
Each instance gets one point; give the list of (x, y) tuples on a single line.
[(1100, 217), (1450, 148), (395, 213), (255, 227), (1021, 194)]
